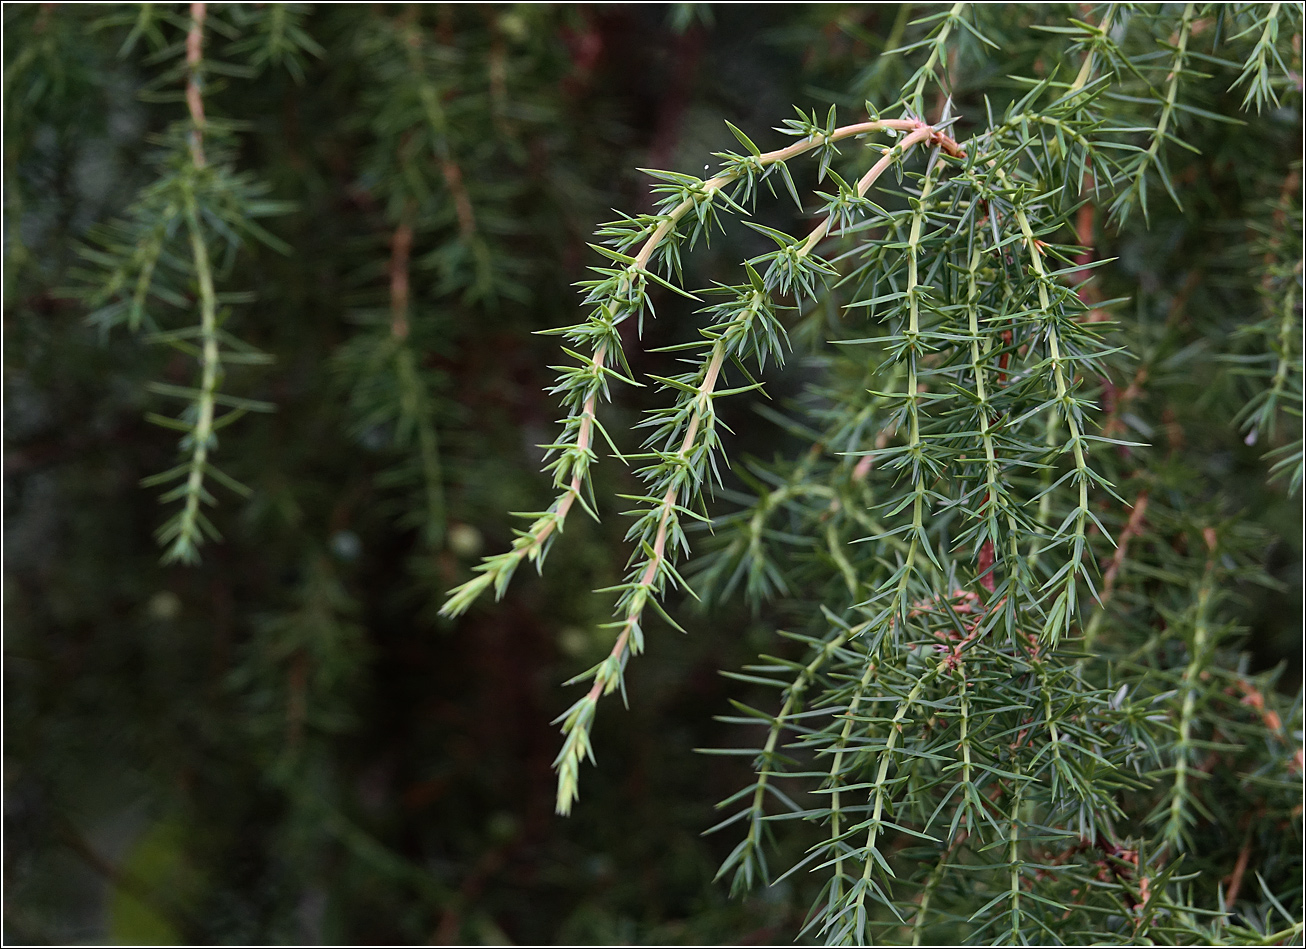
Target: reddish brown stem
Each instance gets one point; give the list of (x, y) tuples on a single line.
[(401, 246), (1085, 289), (462, 201), (194, 92), (1239, 868), (986, 558), (1132, 530)]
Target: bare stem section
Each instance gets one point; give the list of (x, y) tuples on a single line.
[(194, 90)]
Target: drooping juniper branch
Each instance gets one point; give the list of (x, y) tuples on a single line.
[(870, 855), (997, 497), (748, 860), (1177, 814), (919, 539), (186, 531), (837, 772), (415, 412), (657, 568), (1064, 608), (576, 457), (1152, 157)]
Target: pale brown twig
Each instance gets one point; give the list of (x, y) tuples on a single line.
[(194, 93), (462, 201), (1133, 529), (401, 245), (1239, 868)]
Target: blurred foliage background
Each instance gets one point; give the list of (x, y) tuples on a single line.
[(284, 744)]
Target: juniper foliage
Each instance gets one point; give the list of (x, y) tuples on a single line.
[(985, 729), (1045, 280)]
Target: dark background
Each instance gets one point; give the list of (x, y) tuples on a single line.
[(157, 784)]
